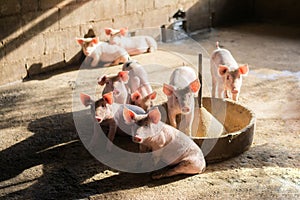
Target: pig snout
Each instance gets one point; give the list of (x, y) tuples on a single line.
[(116, 92), (99, 119), (137, 139), (185, 110), (184, 103)]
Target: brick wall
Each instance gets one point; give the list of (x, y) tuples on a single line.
[(38, 35)]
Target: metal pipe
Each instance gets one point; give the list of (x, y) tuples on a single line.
[(200, 79)]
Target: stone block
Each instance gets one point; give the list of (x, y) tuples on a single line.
[(29, 6), (70, 16), (137, 6), (38, 22), (164, 3), (111, 10), (10, 7), (13, 28), (25, 48), (12, 72), (156, 18), (131, 21), (47, 4)]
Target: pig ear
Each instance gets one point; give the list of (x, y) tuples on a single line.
[(95, 40), (154, 115), (123, 31), (85, 99), (102, 81), (124, 76), (152, 96), (195, 86), (222, 70), (168, 89), (136, 96), (128, 115), (108, 97), (244, 69), (108, 31), (79, 41)]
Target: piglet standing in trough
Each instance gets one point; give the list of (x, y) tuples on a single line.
[(102, 52), (166, 143), (134, 45), (226, 74), (183, 85), (138, 78), (116, 84)]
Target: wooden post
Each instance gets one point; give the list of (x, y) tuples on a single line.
[(200, 79)]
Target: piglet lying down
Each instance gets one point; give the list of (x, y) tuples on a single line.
[(166, 143)]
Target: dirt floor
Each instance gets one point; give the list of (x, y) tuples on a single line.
[(41, 156)]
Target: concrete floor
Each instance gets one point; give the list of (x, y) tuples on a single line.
[(42, 157)]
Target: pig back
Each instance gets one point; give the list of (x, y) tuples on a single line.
[(223, 57), (182, 77), (110, 52), (178, 146)]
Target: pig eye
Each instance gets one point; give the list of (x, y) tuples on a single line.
[(227, 77)]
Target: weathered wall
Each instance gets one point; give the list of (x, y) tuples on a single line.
[(40, 34)]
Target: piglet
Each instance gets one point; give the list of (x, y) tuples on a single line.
[(103, 112), (138, 78), (134, 45), (144, 102), (226, 74), (109, 113), (180, 92), (166, 143), (116, 84), (102, 52)]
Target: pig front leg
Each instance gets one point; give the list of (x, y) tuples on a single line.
[(184, 167), (186, 123), (235, 96), (96, 59), (172, 116), (226, 94), (95, 138), (151, 49), (213, 90), (220, 91), (111, 134), (152, 45)]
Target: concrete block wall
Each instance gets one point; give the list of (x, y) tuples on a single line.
[(39, 35)]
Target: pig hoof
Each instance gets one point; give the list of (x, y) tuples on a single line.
[(151, 49)]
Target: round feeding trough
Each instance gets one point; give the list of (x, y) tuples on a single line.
[(239, 123)]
